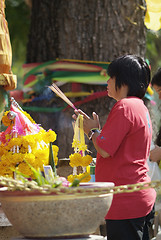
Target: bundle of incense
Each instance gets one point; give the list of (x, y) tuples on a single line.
[(57, 90)]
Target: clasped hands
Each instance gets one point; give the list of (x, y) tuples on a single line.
[(88, 123)]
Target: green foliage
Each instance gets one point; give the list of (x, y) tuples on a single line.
[(51, 159), (153, 49), (54, 181), (38, 178), (18, 18), (77, 181)]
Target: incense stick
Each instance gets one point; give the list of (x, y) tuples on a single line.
[(57, 90)]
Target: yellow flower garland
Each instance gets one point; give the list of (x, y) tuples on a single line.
[(86, 177), (79, 158), (5, 120), (75, 160)]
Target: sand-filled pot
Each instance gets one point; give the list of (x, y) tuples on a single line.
[(63, 212)]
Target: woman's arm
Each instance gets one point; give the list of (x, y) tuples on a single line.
[(103, 153), (155, 154)]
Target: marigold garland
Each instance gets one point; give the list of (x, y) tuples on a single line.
[(16, 148), (84, 176), (79, 158), (5, 120)]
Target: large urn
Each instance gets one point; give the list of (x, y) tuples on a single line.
[(64, 212)]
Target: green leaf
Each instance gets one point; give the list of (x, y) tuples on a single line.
[(51, 159), (38, 175), (77, 181)]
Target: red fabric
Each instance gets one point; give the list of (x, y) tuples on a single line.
[(17, 95), (30, 79), (126, 136)]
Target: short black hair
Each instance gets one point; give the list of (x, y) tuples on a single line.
[(133, 71), (156, 79)]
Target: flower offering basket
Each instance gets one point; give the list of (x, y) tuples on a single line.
[(42, 212)]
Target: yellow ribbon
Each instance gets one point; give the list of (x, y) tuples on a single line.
[(79, 139)]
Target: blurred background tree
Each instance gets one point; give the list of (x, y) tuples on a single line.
[(18, 15)]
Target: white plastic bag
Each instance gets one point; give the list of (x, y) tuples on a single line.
[(154, 170)]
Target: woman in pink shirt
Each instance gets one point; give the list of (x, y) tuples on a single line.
[(123, 147)]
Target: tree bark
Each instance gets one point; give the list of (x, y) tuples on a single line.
[(97, 30)]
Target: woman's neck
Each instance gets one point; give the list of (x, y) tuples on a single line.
[(122, 92)]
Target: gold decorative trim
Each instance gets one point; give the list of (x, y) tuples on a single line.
[(45, 198), (31, 188)]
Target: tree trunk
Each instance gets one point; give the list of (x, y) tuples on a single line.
[(97, 30)]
